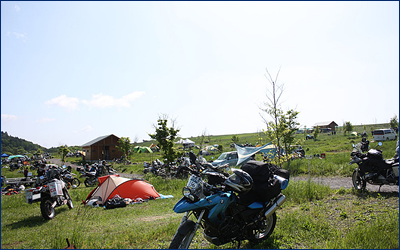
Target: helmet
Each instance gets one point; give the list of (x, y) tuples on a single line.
[(240, 181)]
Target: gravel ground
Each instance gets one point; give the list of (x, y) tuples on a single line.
[(333, 182)]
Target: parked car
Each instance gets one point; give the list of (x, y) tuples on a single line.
[(228, 157), (384, 134)]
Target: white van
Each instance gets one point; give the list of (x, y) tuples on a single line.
[(384, 134)]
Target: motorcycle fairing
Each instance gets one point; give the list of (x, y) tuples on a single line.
[(256, 205), (217, 203)]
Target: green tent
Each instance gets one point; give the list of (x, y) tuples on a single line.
[(144, 150), (138, 149)]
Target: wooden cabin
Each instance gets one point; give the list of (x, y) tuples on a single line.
[(102, 148)]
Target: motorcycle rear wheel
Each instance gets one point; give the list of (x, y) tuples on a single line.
[(48, 212), (182, 237), (358, 182), (265, 231)]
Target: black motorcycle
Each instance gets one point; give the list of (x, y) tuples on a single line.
[(231, 209), (70, 179), (91, 178), (51, 193), (373, 169)]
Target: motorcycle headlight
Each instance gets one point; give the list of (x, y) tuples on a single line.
[(188, 194)]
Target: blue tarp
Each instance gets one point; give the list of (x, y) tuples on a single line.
[(246, 152)]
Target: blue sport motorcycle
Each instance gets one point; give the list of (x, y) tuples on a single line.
[(231, 208)]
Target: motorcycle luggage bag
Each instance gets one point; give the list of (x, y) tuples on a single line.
[(114, 203), (258, 170), (265, 186)]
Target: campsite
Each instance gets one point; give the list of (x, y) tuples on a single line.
[(321, 217)]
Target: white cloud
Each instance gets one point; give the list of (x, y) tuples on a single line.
[(88, 128), (69, 103), (99, 101), (8, 118), (16, 7), (45, 120), (20, 36), (103, 101), (85, 129)]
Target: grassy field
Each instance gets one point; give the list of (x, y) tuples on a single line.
[(314, 216)]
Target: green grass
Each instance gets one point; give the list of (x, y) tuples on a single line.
[(314, 216)]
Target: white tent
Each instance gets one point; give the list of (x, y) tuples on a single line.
[(179, 142), (188, 143)]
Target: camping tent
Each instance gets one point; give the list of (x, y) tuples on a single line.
[(4, 155), (110, 185), (145, 150), (154, 147), (188, 143)]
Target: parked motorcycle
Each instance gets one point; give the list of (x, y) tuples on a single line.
[(230, 209), (91, 178), (51, 193), (70, 179), (373, 169)]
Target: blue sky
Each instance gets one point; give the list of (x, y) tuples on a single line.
[(73, 71)]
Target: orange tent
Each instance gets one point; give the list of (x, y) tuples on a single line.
[(110, 185)]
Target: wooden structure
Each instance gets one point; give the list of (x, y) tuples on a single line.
[(326, 125), (102, 148)]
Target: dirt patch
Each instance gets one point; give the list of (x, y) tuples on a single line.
[(159, 217)]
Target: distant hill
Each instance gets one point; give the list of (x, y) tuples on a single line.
[(13, 145)]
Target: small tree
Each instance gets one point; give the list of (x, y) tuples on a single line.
[(63, 150), (348, 127), (165, 136), (125, 146), (278, 128), (316, 133), (394, 122), (235, 139), (289, 123)]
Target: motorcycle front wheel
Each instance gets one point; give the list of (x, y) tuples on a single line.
[(89, 183), (358, 182), (183, 236), (266, 229), (48, 211), (75, 182)]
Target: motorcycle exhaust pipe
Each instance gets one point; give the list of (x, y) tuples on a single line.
[(275, 206), (54, 204)]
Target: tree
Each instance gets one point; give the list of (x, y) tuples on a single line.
[(290, 125), (203, 137), (125, 146), (316, 133), (282, 125), (165, 136), (348, 127), (63, 150), (394, 122), (235, 139)]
